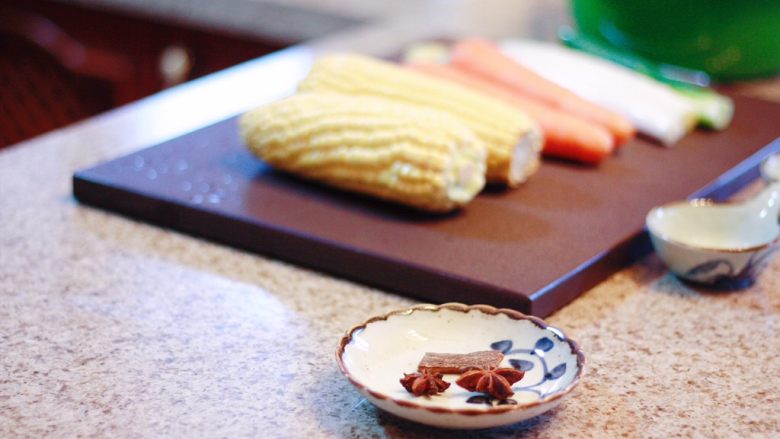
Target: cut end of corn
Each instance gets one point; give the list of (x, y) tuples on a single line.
[(526, 158), (500, 127)]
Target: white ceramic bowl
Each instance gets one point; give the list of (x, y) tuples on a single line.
[(375, 354), (723, 245)]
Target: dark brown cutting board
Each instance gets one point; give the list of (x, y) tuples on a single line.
[(534, 248)]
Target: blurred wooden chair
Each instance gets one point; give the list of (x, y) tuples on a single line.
[(49, 80)]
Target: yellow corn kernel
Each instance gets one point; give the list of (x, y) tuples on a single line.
[(411, 155), (512, 139)]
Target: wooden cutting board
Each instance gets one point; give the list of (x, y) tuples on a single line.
[(534, 248)]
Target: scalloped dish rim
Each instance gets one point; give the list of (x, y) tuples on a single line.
[(460, 307)]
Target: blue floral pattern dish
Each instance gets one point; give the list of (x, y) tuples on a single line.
[(722, 273), (519, 360), (720, 245), (374, 355)]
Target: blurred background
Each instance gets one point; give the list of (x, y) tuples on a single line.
[(64, 60)]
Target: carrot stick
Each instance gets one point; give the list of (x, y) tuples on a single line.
[(566, 136), (483, 58)]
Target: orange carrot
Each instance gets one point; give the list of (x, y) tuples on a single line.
[(566, 136), (483, 58)]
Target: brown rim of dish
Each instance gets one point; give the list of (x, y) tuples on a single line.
[(460, 307), (706, 202)]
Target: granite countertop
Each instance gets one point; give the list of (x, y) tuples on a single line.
[(111, 327)]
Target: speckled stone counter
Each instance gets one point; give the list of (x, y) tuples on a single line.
[(114, 328)]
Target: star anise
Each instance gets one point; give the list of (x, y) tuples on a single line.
[(424, 383), (494, 382)]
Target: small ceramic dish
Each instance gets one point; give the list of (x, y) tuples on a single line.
[(375, 354), (723, 245)]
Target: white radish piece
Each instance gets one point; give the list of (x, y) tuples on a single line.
[(654, 108)]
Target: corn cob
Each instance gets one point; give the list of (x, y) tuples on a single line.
[(411, 155), (512, 139)]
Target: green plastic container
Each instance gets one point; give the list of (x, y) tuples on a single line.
[(729, 39)]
